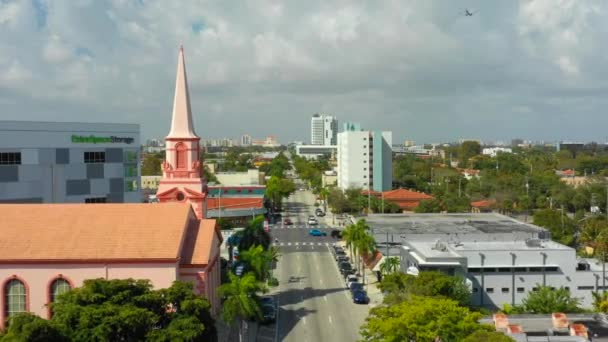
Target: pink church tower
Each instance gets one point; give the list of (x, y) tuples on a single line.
[(182, 181)]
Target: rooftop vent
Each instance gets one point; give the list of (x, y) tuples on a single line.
[(533, 243), (440, 246)]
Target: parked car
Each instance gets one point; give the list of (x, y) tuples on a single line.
[(269, 313), (355, 287), (319, 212), (312, 221), (342, 258), (339, 254), (336, 234), (267, 300), (351, 279), (338, 249), (360, 297), (316, 232), (287, 222), (346, 268)]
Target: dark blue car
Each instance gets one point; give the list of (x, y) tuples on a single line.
[(360, 297)]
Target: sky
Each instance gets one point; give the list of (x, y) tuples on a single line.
[(533, 69)]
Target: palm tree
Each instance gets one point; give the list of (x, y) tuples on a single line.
[(240, 299), (258, 260), (365, 245), (323, 194), (254, 235), (273, 255), (390, 265)]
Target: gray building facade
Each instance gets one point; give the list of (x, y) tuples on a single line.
[(69, 162)]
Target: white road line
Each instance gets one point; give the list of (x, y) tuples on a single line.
[(330, 320), (318, 244), (289, 244), (304, 320), (325, 298)]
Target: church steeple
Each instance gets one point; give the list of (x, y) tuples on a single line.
[(181, 123), (182, 181)]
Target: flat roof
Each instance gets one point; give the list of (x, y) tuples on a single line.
[(507, 246), (484, 223)]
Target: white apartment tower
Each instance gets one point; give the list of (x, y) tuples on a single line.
[(246, 140), (365, 160), (323, 130)]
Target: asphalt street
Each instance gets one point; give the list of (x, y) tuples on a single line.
[(314, 303)]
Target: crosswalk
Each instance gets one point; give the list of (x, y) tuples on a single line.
[(303, 244), (295, 226)]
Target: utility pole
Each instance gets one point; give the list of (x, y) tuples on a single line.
[(527, 199), (219, 205), (383, 202), (562, 219)]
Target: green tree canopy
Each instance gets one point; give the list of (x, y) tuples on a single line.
[(421, 319), (122, 310), (427, 283), (547, 300), (279, 188), (561, 226), (253, 235)]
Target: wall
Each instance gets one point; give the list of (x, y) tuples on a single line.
[(251, 177), (52, 166), (383, 161), (38, 277)]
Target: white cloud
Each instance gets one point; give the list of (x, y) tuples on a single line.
[(264, 66)]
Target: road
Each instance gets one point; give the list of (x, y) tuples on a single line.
[(314, 304)]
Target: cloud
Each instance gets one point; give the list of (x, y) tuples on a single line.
[(420, 69)]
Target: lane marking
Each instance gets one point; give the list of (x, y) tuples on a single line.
[(297, 243), (289, 244), (325, 299), (330, 320), (304, 320)]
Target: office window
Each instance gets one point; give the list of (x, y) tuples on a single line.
[(364, 176), (130, 171), (505, 290), (567, 288), (131, 185), (95, 200), (521, 290), (14, 298), (504, 269), (475, 290), (535, 289), (535, 269), (364, 146), (94, 157), (551, 269), (490, 290), (364, 169), (474, 270), (364, 153), (585, 288), (130, 156), (10, 158)]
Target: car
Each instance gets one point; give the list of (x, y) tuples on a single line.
[(320, 213), (355, 287), (342, 258), (312, 221), (267, 300), (269, 313), (346, 268), (316, 232), (336, 234), (287, 222), (340, 254), (360, 297), (351, 279), (338, 249)]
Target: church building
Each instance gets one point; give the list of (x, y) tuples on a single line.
[(47, 249)]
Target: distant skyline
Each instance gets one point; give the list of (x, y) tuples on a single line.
[(533, 69)]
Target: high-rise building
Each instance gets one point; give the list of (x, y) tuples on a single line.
[(323, 130), (316, 130), (365, 160), (246, 140)]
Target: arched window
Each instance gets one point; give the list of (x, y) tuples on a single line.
[(58, 287), (14, 298), (181, 158)]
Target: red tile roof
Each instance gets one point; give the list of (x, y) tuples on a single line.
[(62, 232), (198, 245), (405, 195), (235, 202), (483, 203)]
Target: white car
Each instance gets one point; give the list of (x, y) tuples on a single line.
[(312, 221), (351, 279)]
